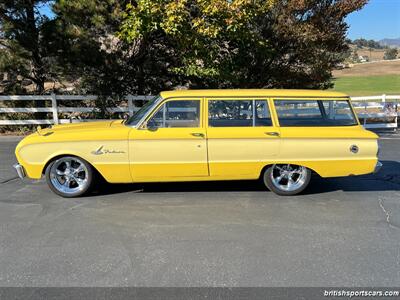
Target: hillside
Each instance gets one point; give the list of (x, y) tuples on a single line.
[(373, 55), (388, 67), (390, 42), (375, 78)]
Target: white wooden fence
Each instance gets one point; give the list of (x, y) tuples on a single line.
[(56, 109), (388, 109), (384, 108)]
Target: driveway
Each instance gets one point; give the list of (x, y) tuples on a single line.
[(341, 232)]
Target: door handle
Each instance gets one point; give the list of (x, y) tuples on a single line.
[(198, 134), (272, 133)]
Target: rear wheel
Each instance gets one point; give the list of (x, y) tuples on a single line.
[(286, 179), (70, 176)]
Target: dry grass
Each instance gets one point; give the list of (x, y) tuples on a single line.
[(373, 54), (390, 67)]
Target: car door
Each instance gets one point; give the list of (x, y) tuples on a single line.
[(242, 137), (171, 144)]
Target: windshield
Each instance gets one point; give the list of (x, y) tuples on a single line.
[(141, 112)]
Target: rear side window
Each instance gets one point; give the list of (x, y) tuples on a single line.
[(238, 113), (314, 113)]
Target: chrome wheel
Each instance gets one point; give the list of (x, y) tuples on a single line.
[(288, 177), (69, 175)]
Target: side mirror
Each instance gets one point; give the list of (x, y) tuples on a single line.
[(151, 126)]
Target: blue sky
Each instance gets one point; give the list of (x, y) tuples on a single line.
[(46, 10), (377, 20)]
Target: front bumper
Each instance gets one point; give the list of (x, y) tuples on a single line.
[(378, 167), (20, 170)]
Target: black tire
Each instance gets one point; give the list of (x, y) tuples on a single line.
[(269, 183), (87, 188)]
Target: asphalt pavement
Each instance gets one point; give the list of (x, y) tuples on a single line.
[(340, 232)]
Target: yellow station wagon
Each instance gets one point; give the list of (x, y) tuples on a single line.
[(280, 136)]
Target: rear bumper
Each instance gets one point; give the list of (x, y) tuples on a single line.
[(378, 167), (20, 170)]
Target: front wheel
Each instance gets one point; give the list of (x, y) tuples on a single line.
[(70, 176), (286, 179)]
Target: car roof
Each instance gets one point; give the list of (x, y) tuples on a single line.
[(252, 93)]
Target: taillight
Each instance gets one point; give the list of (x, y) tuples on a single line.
[(379, 148)]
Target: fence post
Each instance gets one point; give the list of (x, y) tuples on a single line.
[(384, 98), (54, 108), (130, 105)]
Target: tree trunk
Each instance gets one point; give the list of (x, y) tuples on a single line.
[(37, 62)]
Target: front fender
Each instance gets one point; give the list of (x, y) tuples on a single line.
[(112, 162)]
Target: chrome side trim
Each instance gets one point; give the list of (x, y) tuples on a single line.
[(378, 167), (20, 170)]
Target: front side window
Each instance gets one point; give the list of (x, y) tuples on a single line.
[(314, 113), (238, 113), (177, 113), (136, 117)]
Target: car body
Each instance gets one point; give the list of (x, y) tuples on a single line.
[(200, 135)]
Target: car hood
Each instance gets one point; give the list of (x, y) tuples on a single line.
[(95, 131), (84, 126)]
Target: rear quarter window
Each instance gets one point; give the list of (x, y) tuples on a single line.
[(314, 113)]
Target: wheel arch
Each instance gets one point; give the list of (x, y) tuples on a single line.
[(55, 157), (313, 171)]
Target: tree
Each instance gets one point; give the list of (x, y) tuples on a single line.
[(355, 57), (115, 47), (390, 53), (23, 34), (25, 37), (92, 53), (247, 43), (360, 43)]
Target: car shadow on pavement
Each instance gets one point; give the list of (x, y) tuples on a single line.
[(388, 179), (165, 187)]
